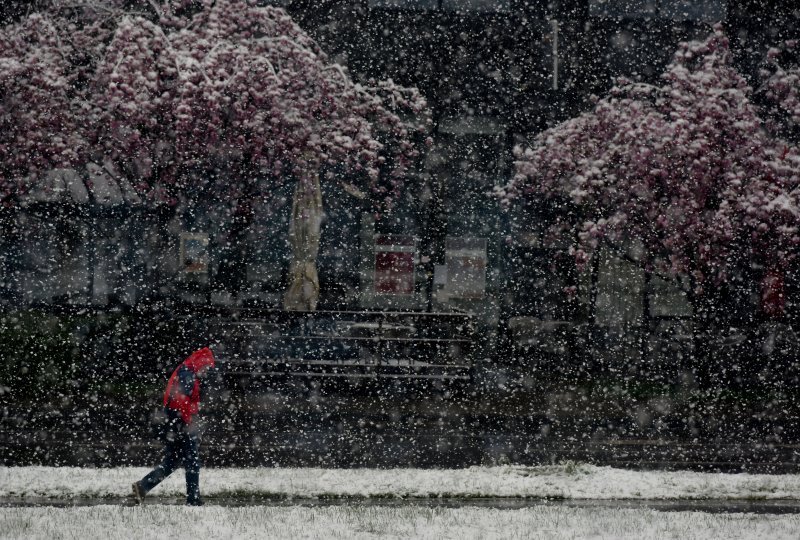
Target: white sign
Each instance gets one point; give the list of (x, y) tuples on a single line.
[(465, 259)]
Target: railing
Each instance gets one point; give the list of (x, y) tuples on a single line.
[(663, 352), (349, 344), (262, 342)]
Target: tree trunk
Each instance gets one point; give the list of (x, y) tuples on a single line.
[(304, 233), (699, 363), (647, 322)]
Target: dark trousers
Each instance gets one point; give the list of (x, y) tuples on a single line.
[(181, 448)]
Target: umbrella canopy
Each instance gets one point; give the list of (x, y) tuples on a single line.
[(304, 234)]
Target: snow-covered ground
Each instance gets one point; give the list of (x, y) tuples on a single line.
[(566, 481), (357, 520), (362, 522)]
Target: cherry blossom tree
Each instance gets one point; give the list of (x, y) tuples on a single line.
[(779, 96), (47, 64), (39, 115), (172, 89), (684, 168)]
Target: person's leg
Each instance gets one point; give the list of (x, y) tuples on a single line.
[(171, 461), (191, 463)]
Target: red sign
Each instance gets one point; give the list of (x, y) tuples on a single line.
[(394, 264)]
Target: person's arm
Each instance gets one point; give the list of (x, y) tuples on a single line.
[(181, 394), (186, 380)]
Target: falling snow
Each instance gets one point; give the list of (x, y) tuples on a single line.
[(485, 248)]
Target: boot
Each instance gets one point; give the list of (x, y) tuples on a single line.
[(138, 493)]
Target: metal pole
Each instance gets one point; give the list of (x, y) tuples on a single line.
[(92, 251), (554, 30)]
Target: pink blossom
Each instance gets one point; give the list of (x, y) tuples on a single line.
[(683, 167)]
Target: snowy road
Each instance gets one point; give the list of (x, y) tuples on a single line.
[(712, 506), (549, 522), (548, 502), (568, 481)]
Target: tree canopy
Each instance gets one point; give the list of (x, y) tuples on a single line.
[(687, 168), (167, 89)]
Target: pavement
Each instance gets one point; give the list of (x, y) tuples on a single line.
[(714, 506)]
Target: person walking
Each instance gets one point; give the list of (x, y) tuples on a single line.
[(182, 439)]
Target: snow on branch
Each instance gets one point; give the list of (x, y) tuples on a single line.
[(686, 168), (163, 95)]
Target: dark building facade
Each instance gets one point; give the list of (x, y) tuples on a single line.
[(496, 72)]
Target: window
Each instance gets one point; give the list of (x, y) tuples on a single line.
[(477, 5), (679, 10), (694, 10), (450, 5), (404, 4), (623, 8)]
